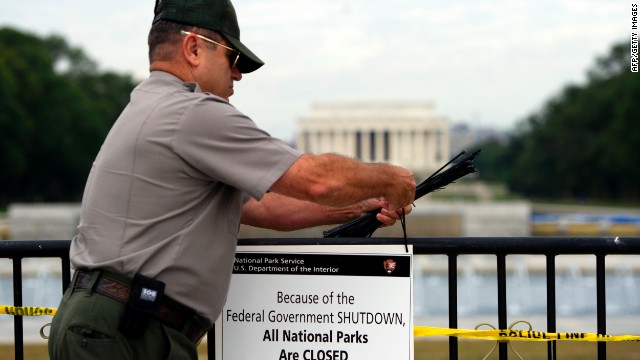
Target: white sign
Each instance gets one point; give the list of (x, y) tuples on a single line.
[(318, 306)]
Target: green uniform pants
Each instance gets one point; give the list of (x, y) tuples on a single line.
[(86, 327)]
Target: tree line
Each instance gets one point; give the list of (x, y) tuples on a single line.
[(582, 144), (56, 107)]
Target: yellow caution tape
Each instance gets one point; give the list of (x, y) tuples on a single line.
[(418, 331), (518, 335), (26, 310)]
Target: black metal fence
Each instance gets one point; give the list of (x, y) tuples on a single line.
[(550, 247)]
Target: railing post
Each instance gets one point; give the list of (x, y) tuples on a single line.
[(211, 344), (601, 304), (551, 304), (453, 304), (18, 325), (502, 302), (66, 273)]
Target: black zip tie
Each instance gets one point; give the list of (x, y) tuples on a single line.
[(367, 224), (404, 231)]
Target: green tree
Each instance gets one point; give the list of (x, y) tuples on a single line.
[(583, 143), (57, 109)]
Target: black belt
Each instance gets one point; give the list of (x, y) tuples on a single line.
[(172, 313)]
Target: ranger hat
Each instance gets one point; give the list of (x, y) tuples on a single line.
[(216, 15)]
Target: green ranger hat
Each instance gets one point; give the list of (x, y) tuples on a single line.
[(216, 15)]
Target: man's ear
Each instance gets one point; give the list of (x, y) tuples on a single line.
[(191, 51)]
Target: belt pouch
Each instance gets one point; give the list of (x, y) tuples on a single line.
[(143, 304)]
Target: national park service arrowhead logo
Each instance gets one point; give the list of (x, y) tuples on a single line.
[(389, 265)]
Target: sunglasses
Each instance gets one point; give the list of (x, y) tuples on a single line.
[(233, 54)]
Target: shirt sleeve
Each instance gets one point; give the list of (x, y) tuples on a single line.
[(227, 146)]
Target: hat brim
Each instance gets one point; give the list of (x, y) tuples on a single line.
[(248, 61)]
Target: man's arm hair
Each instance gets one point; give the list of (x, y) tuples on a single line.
[(335, 180), (283, 213)]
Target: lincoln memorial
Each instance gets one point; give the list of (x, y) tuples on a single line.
[(405, 133)]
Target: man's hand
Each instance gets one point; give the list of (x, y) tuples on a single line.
[(403, 191), (386, 216)]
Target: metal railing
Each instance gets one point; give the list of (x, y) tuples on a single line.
[(550, 247), (18, 250)]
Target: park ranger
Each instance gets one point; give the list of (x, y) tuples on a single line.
[(178, 173)]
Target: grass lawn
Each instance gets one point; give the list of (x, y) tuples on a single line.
[(439, 350)]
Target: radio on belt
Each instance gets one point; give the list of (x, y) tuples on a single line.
[(144, 302)]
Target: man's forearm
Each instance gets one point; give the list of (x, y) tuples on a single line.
[(278, 212), (336, 180)]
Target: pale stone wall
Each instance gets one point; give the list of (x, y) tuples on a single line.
[(43, 221), (429, 218), (441, 219)]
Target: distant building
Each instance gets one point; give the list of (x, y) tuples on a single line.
[(465, 137), (404, 133), (462, 137)]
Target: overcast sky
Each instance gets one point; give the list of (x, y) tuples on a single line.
[(490, 63)]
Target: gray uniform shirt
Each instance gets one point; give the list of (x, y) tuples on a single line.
[(165, 193)]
